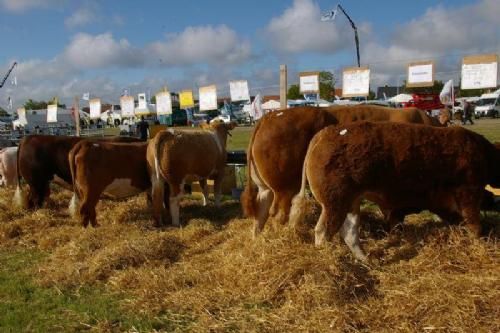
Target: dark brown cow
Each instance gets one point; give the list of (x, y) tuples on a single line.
[(119, 169), (444, 170), (176, 157), (278, 146), (44, 158)]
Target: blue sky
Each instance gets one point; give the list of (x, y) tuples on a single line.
[(65, 48)]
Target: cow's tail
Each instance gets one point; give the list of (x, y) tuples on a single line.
[(249, 195), (158, 190), (73, 205), (19, 199), (299, 201)]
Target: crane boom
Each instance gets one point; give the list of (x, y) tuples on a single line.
[(8, 73)]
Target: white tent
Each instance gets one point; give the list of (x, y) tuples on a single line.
[(401, 98), (271, 105)]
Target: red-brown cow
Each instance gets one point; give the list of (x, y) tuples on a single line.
[(177, 157), (44, 158), (118, 169), (410, 166), (278, 146)]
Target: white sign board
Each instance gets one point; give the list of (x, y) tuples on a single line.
[(239, 90), (479, 72), (208, 98), (52, 113), (163, 103), (142, 101), (127, 106), (21, 113), (309, 82), (95, 108), (420, 74), (355, 82)]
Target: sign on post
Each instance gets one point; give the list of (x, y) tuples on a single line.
[(186, 99), (163, 103), (127, 106), (356, 82), (208, 98), (21, 113), (420, 74), (239, 90), (479, 71), (309, 82), (95, 108), (52, 113)]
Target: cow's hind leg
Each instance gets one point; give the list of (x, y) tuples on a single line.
[(350, 233), (331, 219), (204, 189), (470, 201), (87, 210), (158, 199), (175, 196), (218, 189), (282, 205), (263, 203)]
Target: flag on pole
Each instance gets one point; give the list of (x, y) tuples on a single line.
[(256, 111), (14, 81), (9, 99), (446, 95), (86, 97), (329, 16)]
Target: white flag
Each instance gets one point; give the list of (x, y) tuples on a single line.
[(329, 16), (14, 81), (86, 97), (256, 111), (446, 94)]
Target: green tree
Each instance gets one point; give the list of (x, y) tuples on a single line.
[(294, 92), (371, 95), (326, 85), (40, 105)]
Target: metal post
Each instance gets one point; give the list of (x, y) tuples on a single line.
[(356, 39)]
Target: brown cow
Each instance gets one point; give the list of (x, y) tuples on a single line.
[(410, 166), (119, 169), (178, 156), (278, 146), (44, 158)]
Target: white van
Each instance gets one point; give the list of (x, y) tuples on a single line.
[(488, 105)]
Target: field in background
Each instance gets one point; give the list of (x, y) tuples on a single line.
[(210, 275)]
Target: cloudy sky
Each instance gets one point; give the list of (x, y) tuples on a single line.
[(65, 48)]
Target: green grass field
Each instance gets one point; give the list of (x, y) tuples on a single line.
[(210, 276)]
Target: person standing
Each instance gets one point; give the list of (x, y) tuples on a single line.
[(467, 113), (143, 129)]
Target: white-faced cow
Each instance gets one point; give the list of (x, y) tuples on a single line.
[(179, 156), (8, 167), (405, 166)]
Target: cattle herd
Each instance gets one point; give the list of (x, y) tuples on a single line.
[(401, 159)]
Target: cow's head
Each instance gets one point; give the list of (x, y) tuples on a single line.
[(222, 129)]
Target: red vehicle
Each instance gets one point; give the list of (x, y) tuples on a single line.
[(426, 102)]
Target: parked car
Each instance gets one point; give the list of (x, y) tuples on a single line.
[(488, 105)]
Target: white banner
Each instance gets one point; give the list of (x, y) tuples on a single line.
[(208, 98), (142, 101), (356, 82), (446, 94), (163, 103), (21, 113), (127, 106), (239, 90), (52, 113), (309, 83), (479, 76), (95, 108), (420, 75)]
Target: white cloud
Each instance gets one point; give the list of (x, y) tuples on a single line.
[(208, 45), (299, 29), (23, 5), (88, 51), (82, 16)]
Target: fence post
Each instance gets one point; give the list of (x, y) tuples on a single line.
[(283, 86)]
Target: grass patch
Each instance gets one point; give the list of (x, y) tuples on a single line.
[(27, 307)]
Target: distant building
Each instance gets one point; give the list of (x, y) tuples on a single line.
[(390, 91)]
